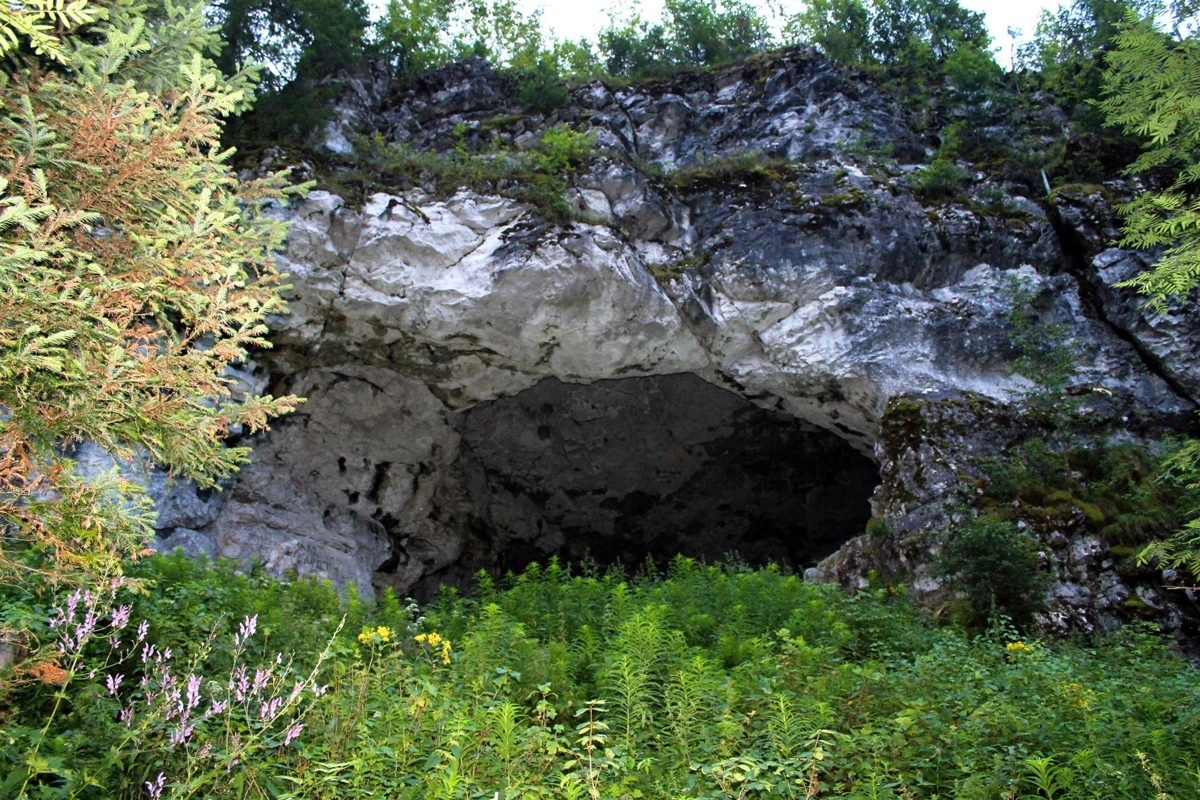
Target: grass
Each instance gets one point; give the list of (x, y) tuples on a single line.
[(730, 172), (540, 176), (706, 681)]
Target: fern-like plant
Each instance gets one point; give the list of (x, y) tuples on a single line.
[(134, 270)]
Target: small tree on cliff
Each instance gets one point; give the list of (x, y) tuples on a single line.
[(134, 269)]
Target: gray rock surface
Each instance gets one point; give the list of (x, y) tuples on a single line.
[(425, 329), (192, 544), (933, 457)]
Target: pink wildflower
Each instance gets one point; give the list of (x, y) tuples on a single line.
[(292, 733), (246, 630), (120, 617)]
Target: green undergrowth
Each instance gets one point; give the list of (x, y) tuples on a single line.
[(706, 681), (539, 176), (1115, 488), (1116, 491)]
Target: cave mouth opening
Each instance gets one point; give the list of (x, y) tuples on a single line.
[(622, 470)]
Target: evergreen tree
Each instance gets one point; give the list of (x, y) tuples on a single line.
[(134, 270), (1152, 90)]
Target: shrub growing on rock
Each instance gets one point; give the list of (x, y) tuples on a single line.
[(992, 566)]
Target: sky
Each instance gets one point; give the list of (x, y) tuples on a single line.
[(572, 19)]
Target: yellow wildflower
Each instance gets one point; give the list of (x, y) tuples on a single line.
[(377, 635), (1018, 647), (1077, 695), (435, 642)]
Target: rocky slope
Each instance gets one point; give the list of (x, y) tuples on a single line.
[(689, 363)]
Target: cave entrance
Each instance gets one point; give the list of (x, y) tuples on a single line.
[(621, 470)]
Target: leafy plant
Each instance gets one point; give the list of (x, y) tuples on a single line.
[(994, 567), (541, 86), (1046, 352), (940, 179), (737, 170), (692, 33), (1150, 90), (134, 270), (580, 683), (540, 176)]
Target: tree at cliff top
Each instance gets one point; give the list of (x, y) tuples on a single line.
[(692, 33), (1070, 45), (1152, 89), (134, 269), (911, 35), (295, 45), (291, 39)]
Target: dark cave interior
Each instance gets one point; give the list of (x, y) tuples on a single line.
[(623, 470)]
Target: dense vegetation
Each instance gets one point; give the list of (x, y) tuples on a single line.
[(717, 682), (134, 270)]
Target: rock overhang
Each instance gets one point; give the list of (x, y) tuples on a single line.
[(821, 296)]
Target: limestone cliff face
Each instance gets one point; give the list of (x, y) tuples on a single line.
[(486, 388)]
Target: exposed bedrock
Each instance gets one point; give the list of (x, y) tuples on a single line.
[(701, 369)]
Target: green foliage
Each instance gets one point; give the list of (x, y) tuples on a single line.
[(973, 76), (419, 34), (1151, 87), (500, 32), (188, 602), (1152, 90), (1181, 470), (841, 29), (1046, 352), (291, 46), (289, 39), (733, 171), (1116, 488), (412, 34), (1069, 47), (134, 270), (994, 567), (539, 176), (913, 36), (38, 25), (692, 34), (415, 35), (541, 87), (143, 717), (705, 682), (561, 151), (940, 179)]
